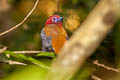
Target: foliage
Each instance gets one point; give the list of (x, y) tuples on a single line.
[(30, 72)]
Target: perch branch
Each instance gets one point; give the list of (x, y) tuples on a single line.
[(16, 26), (106, 67), (27, 52), (85, 40)]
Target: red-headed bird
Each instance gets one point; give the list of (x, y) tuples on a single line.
[(53, 34)]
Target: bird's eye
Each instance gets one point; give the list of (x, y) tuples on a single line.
[(54, 19)]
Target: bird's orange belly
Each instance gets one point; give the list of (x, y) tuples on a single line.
[(58, 42)]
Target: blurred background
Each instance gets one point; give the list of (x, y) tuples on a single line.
[(27, 37)]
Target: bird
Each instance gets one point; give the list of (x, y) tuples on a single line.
[(53, 35)]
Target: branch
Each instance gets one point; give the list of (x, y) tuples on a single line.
[(58, 6), (96, 78), (85, 40), (16, 26), (3, 49), (27, 52), (106, 67), (15, 63)]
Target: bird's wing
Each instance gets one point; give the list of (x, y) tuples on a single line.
[(46, 42)]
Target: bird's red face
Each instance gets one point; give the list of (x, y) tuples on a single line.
[(55, 19)]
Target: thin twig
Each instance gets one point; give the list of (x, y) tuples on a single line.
[(15, 62), (27, 52), (106, 67), (16, 26), (3, 49), (58, 2), (96, 78)]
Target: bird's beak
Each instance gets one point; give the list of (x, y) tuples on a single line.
[(60, 19)]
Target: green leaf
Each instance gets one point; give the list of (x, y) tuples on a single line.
[(21, 57), (35, 61), (47, 54)]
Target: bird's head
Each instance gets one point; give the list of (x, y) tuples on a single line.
[(55, 19)]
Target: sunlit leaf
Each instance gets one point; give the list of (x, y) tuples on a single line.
[(28, 73)]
